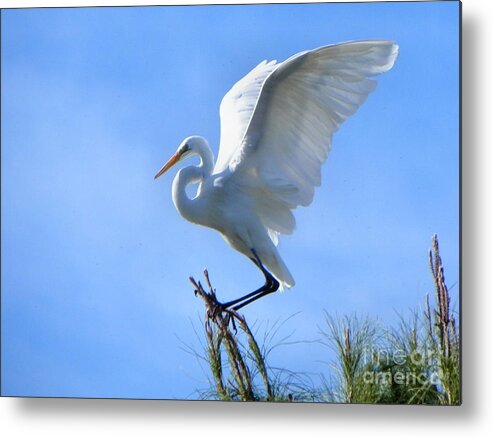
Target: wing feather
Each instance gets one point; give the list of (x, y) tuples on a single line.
[(236, 111), (277, 123)]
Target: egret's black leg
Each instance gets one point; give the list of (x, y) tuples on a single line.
[(240, 299), (271, 285), (274, 286)]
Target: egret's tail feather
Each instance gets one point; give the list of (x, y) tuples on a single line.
[(281, 273)]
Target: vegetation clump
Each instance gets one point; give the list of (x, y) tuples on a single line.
[(417, 362)]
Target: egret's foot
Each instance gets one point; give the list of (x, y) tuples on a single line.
[(222, 314), (233, 323), (216, 309)]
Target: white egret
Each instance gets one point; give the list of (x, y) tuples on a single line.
[(276, 131)]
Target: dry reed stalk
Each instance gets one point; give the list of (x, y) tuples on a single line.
[(444, 322), (221, 328), (446, 330)]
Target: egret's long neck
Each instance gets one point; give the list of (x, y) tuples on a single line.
[(189, 208)]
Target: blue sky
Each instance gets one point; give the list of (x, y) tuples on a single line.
[(95, 259)]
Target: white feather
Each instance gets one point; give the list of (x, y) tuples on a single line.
[(277, 123)]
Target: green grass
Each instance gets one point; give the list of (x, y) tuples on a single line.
[(417, 361)]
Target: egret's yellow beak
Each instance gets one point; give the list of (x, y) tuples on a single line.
[(171, 162)]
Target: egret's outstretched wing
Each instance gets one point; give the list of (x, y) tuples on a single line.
[(236, 111), (300, 104)]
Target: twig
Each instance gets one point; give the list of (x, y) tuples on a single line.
[(217, 324)]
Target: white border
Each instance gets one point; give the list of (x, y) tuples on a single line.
[(124, 418)]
